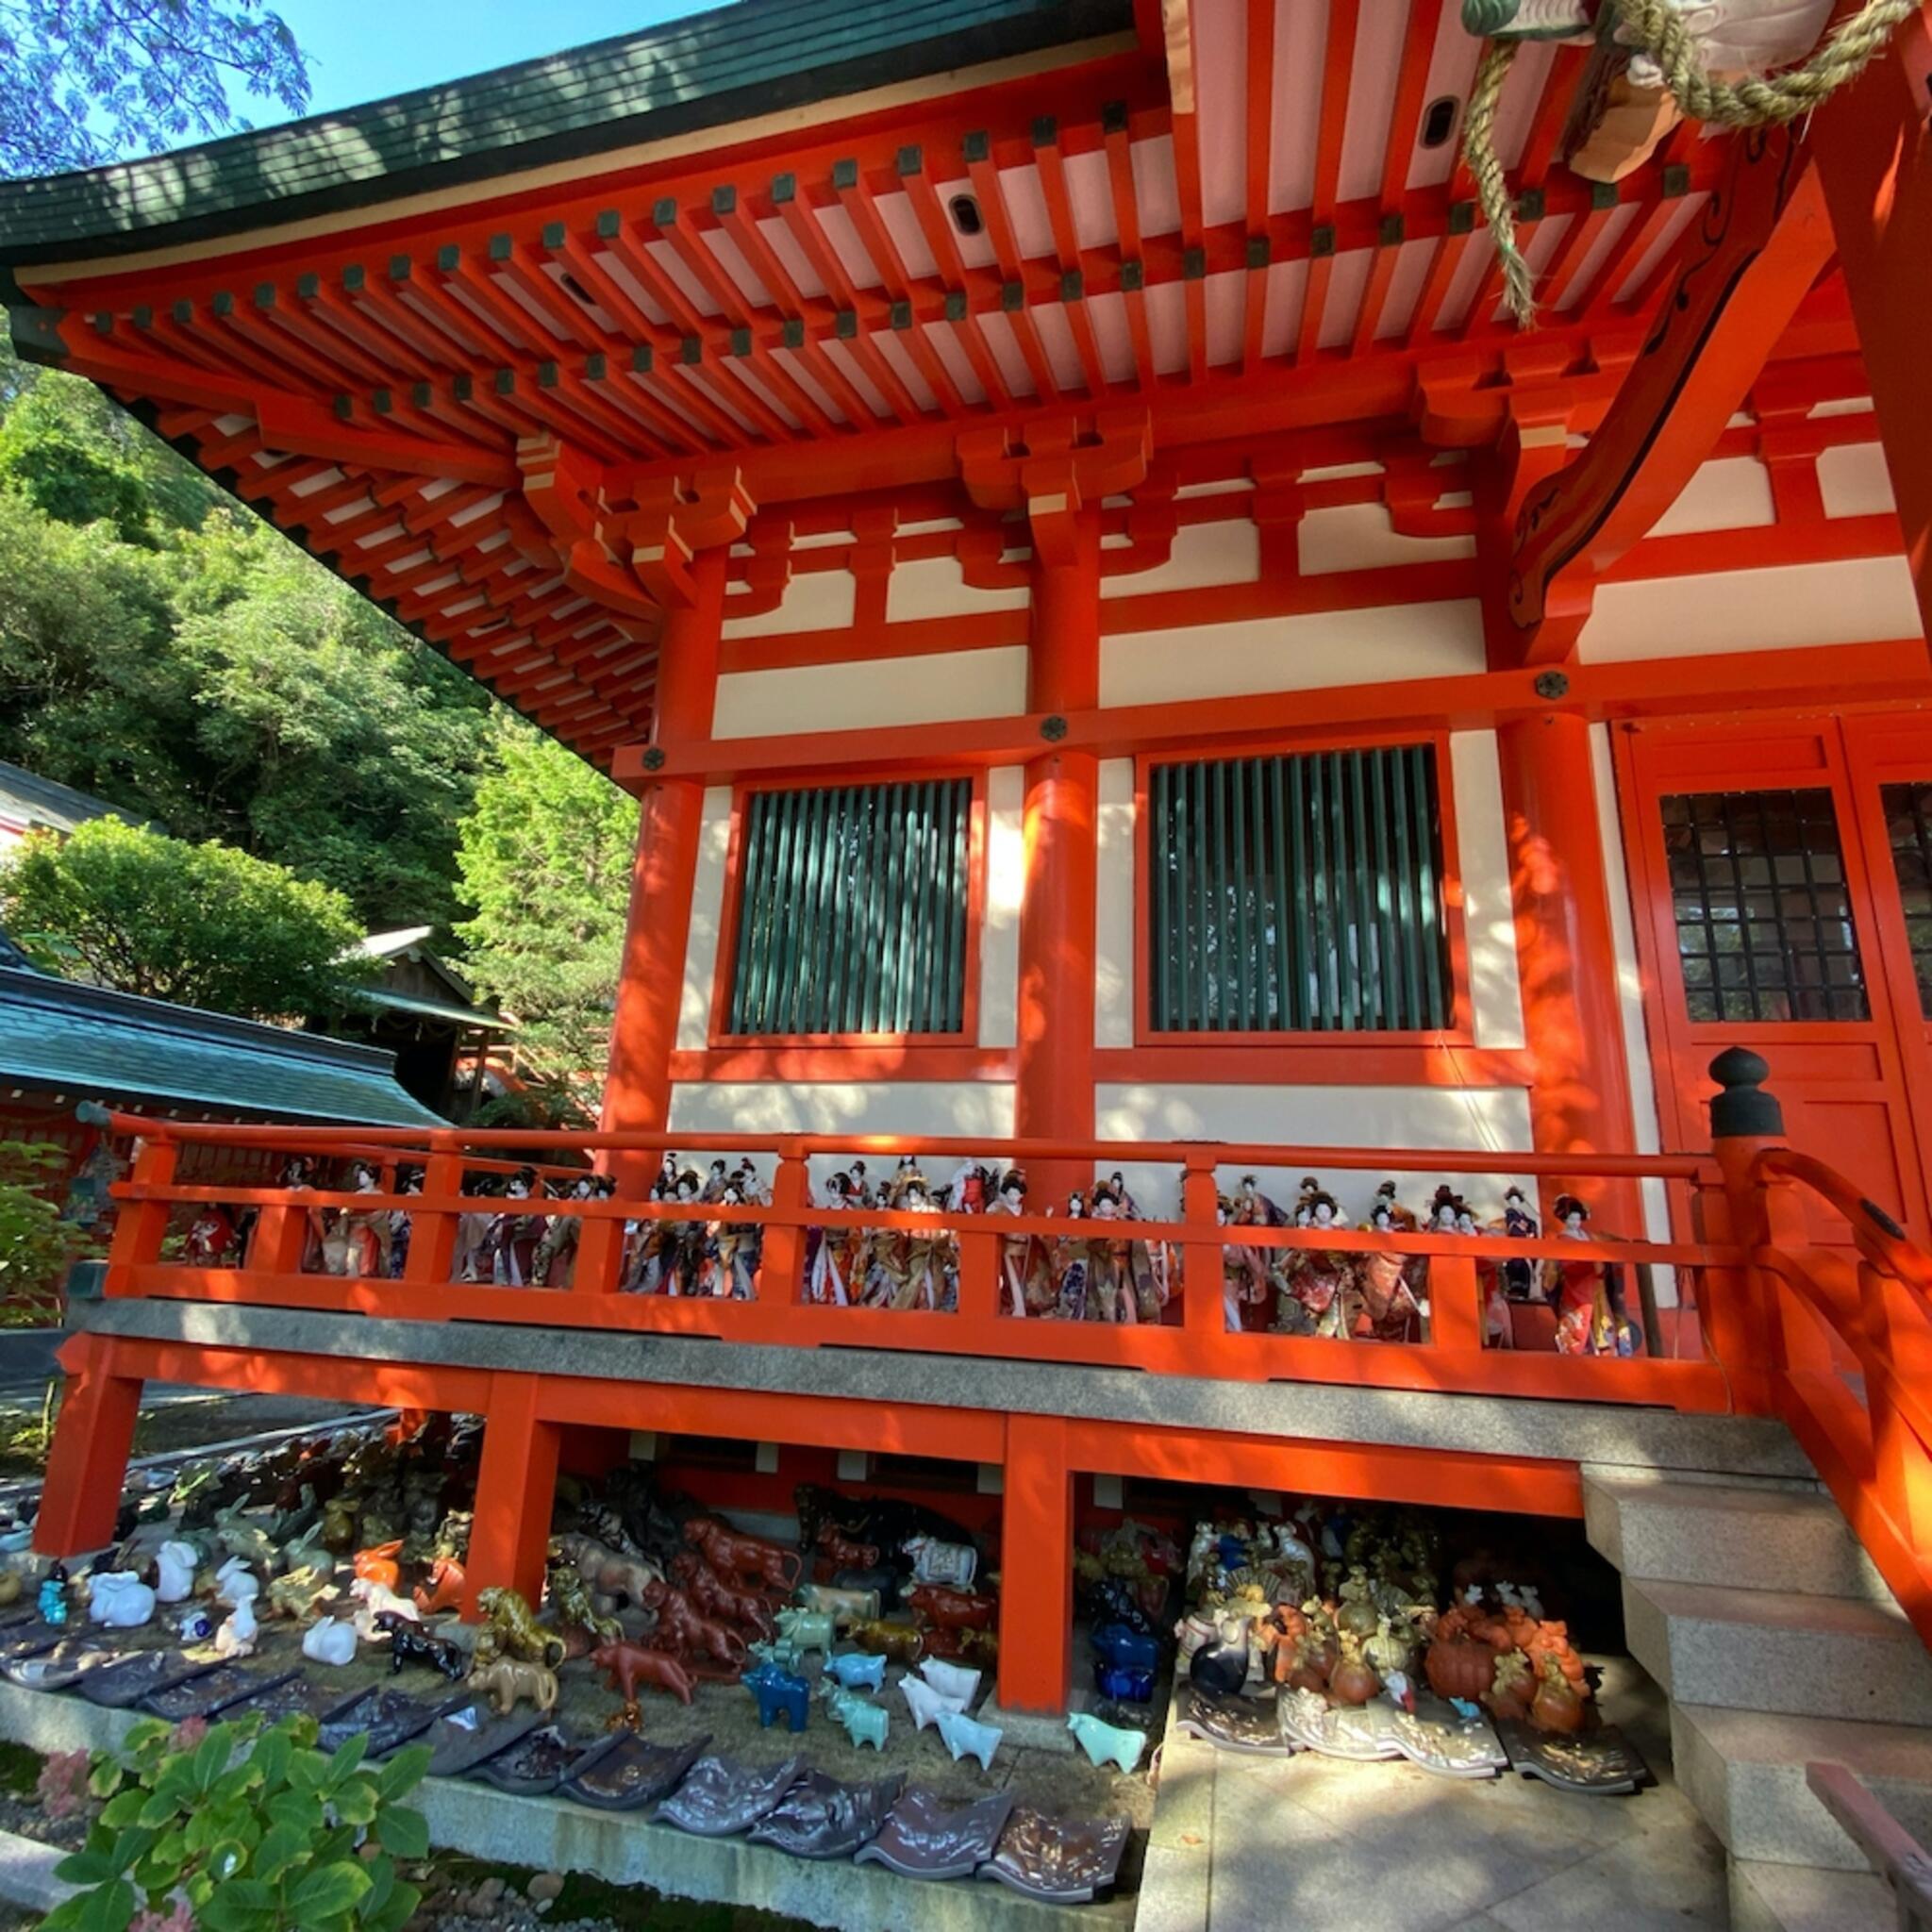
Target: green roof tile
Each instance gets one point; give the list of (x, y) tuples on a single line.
[(758, 57), (86, 1040)]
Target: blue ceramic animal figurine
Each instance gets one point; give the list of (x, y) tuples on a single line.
[(966, 1737), (855, 1673), (53, 1595), (1115, 1644), (865, 1721), (779, 1693), (1105, 1742), (807, 1630), (1124, 1683)]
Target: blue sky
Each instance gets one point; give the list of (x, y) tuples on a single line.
[(359, 50)]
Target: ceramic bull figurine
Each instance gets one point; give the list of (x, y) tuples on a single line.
[(966, 1738), (1105, 1742), (924, 1703), (779, 1693), (957, 1685), (936, 1562), (904, 1643), (807, 1630), (844, 1607), (865, 1721), (857, 1673), (628, 1665)]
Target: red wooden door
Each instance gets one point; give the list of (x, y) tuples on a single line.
[(1768, 915)]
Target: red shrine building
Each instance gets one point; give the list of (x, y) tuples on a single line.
[(1132, 659)]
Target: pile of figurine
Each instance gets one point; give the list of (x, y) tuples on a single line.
[(1348, 1605)]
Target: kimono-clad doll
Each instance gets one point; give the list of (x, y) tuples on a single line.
[(471, 1261), (831, 1252), (912, 1264), (1383, 1306), (1072, 1267), (357, 1242), (508, 1250), (715, 1184), (1519, 1273), (555, 1263), (1025, 1280), (966, 1192), (211, 1235), (1321, 1285), (664, 1184), (298, 1178), (1109, 1289), (1147, 1270), (1244, 1279), (1588, 1295), (673, 1251), (863, 1195), (755, 1195), (730, 1260), (1498, 1330), (409, 1181)]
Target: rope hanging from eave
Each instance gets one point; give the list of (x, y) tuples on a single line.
[(1657, 28)]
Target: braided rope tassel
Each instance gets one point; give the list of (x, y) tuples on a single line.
[(1660, 30), (1491, 188)]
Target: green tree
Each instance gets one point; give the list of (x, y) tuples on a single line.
[(36, 1245), (83, 81), (203, 925), (545, 859)]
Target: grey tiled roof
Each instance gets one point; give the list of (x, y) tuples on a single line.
[(95, 1044), (759, 57), (41, 802)]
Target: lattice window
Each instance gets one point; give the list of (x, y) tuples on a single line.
[(1764, 921), (1908, 818), (852, 910), (1298, 894)]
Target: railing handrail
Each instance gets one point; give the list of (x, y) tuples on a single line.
[(1879, 1239), (454, 1141)]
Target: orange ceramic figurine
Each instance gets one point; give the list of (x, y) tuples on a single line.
[(378, 1565)]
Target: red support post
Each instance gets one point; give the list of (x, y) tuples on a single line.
[(141, 1226), (431, 1259), (1053, 1082), (1204, 1294), (1037, 1567), (1738, 1309), (1873, 149), (650, 993), (1579, 1102), (88, 1466), (516, 1488), (781, 1263)]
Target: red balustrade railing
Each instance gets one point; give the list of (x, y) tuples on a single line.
[(1453, 1350)]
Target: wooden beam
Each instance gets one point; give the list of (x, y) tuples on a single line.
[(1763, 239)]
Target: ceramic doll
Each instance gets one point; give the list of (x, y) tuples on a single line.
[(728, 1270), (1588, 1295), (664, 1187), (298, 1178), (1497, 1329), (1323, 1284), (1146, 1261), (917, 1260), (828, 1264), (684, 1242), (1519, 1273), (1070, 1261), (861, 1185), (1025, 1281), (1110, 1293), (1384, 1303), (1243, 1279), (555, 1262), (715, 1184), (409, 1181), (210, 1237), (359, 1242)]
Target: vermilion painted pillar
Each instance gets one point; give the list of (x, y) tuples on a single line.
[(1566, 956), (88, 1464), (516, 1488), (1053, 1099), (636, 1089), (1875, 159), (1037, 1567)]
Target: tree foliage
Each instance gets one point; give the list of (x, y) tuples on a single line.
[(545, 859), (202, 925), (36, 1244), (87, 81), (163, 649)]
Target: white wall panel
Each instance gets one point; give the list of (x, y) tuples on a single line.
[(1854, 481), (707, 920), (1006, 884), (1113, 921), (1495, 989), (937, 587), (1732, 493), (814, 600), (1202, 554), (855, 693), (1358, 536)]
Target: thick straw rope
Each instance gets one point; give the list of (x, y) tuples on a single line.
[(1657, 28)]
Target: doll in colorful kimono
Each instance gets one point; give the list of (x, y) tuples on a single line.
[(511, 1245), (553, 1265), (914, 1262), (664, 1184), (1519, 1273), (715, 1184), (298, 1178), (1072, 1266), (469, 1260), (409, 1181), (966, 1192), (729, 1268), (1147, 1273), (210, 1237), (1025, 1281), (1244, 1282), (1323, 1282), (357, 1242), (1109, 1287), (1588, 1295), (1498, 1330), (829, 1251), (1383, 1304), (685, 1242)]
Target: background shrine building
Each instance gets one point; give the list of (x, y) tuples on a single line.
[(1076, 459)]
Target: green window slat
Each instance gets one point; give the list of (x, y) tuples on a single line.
[(852, 910), (1297, 893)]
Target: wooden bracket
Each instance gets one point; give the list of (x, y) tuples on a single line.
[(1054, 466)]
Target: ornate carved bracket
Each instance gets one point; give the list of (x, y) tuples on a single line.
[(1054, 466), (1762, 239)]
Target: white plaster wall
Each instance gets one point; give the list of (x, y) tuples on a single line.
[(1360, 536), (1854, 481), (936, 690), (1113, 909), (707, 920), (937, 587), (814, 600), (1006, 884), (1495, 987), (1858, 600), (943, 1110), (1313, 651), (1645, 1120), (1488, 1120), (1732, 493), (1202, 554)]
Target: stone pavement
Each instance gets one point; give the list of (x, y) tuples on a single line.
[(1252, 1844)]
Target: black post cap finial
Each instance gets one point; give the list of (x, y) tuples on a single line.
[(1744, 1109)]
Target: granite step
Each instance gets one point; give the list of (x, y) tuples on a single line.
[(1775, 1650), (1742, 1536), (1744, 1771), (1803, 1898)]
